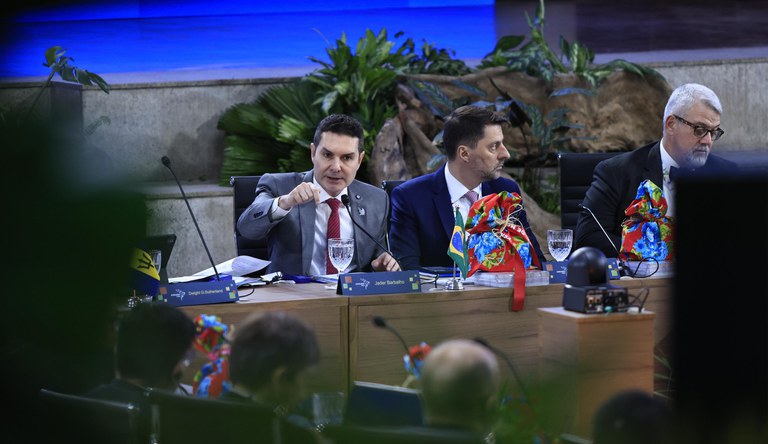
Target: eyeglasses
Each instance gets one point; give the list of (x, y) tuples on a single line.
[(701, 131)]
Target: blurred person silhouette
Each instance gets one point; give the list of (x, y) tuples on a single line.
[(268, 362), (151, 351), (152, 348), (633, 417), (69, 242), (460, 382)]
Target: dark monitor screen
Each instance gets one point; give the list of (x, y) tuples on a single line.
[(720, 331), (372, 404)]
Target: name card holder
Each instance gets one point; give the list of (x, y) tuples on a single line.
[(359, 284), (558, 271), (198, 293)]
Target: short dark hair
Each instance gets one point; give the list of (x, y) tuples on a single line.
[(466, 126), (151, 340), (340, 124), (269, 340)]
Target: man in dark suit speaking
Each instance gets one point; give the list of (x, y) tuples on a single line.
[(423, 213), (691, 125), (298, 212)]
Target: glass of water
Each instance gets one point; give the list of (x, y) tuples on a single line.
[(560, 243), (157, 258), (340, 252)]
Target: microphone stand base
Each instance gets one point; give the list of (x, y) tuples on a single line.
[(454, 284)]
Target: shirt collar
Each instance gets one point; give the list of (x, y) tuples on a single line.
[(666, 161), (456, 189)]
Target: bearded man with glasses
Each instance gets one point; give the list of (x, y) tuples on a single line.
[(690, 126)]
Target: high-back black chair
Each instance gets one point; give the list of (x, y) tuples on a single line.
[(243, 193), (72, 418), (575, 178), (180, 419), (388, 186)]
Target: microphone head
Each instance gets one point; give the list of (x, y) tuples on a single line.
[(581, 206), (345, 200), (378, 320), (166, 161)]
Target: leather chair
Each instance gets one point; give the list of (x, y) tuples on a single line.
[(244, 191), (388, 186), (80, 419), (180, 419), (575, 178)]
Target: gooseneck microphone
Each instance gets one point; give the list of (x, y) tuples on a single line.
[(346, 202), (378, 321), (624, 266), (506, 359), (167, 163)]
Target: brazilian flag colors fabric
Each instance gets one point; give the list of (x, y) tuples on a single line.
[(144, 276), (457, 249)]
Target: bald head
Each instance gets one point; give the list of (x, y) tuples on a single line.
[(460, 380)]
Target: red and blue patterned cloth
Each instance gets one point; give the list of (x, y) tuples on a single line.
[(648, 232), (498, 241)]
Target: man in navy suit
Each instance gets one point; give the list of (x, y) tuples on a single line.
[(691, 125), (423, 213)]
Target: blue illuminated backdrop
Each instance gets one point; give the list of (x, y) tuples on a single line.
[(161, 35)]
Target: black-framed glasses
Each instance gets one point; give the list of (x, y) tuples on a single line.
[(701, 131)]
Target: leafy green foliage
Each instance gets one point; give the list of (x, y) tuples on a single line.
[(272, 134), (434, 60), (60, 64), (537, 59)]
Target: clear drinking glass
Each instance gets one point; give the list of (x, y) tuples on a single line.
[(560, 243), (157, 258), (340, 252)]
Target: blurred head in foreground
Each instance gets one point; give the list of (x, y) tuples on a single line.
[(460, 383), (270, 354)]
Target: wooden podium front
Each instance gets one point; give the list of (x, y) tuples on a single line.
[(591, 357)]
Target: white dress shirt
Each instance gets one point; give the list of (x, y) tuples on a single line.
[(322, 214), (669, 188), (457, 192)]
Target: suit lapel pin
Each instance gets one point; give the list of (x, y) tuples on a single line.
[(361, 211)]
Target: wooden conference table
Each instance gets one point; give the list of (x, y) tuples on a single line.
[(353, 349)]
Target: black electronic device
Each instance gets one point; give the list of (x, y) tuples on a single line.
[(602, 299), (587, 289)]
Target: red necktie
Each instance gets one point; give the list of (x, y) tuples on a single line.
[(334, 230)]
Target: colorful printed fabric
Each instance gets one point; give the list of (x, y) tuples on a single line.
[(496, 235), (498, 242), (212, 379), (211, 339), (415, 358), (648, 232)]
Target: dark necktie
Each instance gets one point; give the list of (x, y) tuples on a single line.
[(334, 230), (674, 173)]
